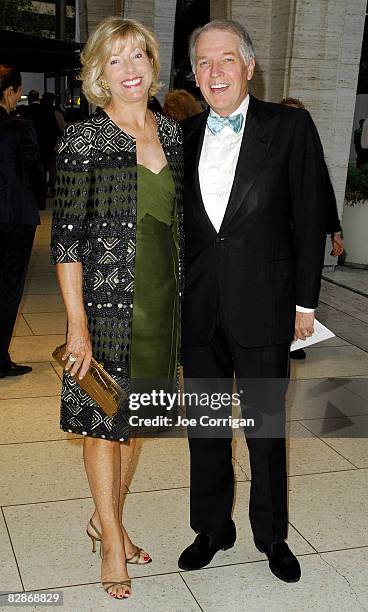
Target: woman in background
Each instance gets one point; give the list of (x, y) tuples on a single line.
[(116, 240), (180, 104)]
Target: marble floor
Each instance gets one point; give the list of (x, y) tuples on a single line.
[(353, 278), (45, 501)]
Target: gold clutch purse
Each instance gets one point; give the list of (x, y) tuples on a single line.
[(97, 383)]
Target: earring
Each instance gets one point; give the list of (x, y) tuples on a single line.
[(104, 84)]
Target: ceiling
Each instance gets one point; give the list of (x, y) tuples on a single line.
[(35, 54)]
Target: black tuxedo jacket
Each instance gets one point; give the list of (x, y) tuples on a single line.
[(268, 254), (21, 174)]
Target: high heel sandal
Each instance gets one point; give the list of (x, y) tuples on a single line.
[(122, 583), (135, 559), (96, 537)]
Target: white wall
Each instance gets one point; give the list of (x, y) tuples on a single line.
[(34, 80)]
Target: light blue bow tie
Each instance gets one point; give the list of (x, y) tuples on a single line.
[(215, 124)]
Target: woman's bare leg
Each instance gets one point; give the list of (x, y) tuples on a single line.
[(126, 455), (103, 465)]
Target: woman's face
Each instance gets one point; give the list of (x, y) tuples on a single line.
[(128, 72), (11, 97)]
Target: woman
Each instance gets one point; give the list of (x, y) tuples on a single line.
[(180, 104), (116, 240), (21, 182)]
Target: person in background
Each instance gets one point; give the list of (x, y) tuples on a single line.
[(57, 124), (180, 104), (333, 222), (116, 243), (21, 182), (361, 153), (20, 112), (154, 105), (47, 131), (33, 100), (48, 99), (361, 143), (364, 141)]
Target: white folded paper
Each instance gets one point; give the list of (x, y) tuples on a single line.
[(320, 333)]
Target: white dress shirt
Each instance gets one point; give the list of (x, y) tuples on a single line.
[(217, 166)]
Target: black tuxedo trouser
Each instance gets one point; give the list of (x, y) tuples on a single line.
[(212, 476), (16, 243)]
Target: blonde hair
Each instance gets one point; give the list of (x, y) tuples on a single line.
[(109, 33), (180, 104)]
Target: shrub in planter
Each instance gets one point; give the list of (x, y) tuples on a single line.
[(355, 217), (356, 184)]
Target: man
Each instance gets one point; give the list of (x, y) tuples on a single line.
[(21, 180), (254, 219)]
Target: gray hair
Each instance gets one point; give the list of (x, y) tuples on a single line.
[(226, 25)]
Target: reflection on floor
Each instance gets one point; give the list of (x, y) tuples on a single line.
[(46, 502)]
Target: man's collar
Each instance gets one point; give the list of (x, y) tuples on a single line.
[(242, 108)]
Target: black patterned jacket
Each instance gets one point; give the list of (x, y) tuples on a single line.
[(94, 222)]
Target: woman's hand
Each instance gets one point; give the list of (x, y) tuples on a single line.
[(79, 348)]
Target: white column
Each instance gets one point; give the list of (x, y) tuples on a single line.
[(91, 12), (324, 71), (220, 9), (141, 10), (164, 25), (159, 15), (256, 18)]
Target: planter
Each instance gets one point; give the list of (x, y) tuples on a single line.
[(355, 229)]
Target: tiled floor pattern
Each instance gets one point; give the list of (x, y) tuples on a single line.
[(45, 500)]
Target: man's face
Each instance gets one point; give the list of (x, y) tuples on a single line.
[(221, 72)]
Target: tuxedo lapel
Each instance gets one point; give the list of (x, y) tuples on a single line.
[(193, 147), (258, 134)]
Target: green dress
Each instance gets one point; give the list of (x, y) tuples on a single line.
[(155, 325)]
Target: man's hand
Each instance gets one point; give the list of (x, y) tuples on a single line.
[(304, 322), (337, 244)]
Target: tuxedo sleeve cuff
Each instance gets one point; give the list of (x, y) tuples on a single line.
[(302, 309)]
